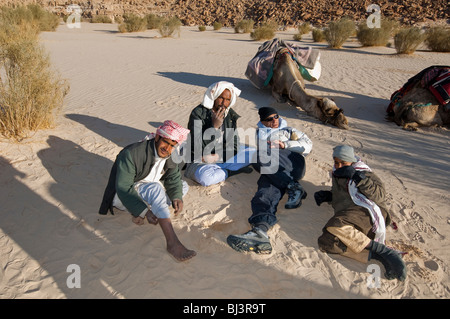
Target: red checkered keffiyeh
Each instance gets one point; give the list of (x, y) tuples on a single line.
[(173, 131)]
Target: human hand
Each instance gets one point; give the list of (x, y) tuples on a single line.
[(277, 144), (211, 158), (323, 196), (177, 204), (218, 117), (151, 218), (138, 220)]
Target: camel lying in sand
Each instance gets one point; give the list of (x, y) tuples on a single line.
[(419, 107), (287, 83)]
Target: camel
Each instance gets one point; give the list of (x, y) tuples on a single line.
[(419, 107), (288, 84)]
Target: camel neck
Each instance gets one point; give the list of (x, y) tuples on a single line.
[(298, 94)]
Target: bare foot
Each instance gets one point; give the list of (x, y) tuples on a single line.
[(180, 253), (152, 219), (174, 246)]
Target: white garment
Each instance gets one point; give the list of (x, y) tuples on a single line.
[(153, 177), (294, 140), (157, 170), (215, 90), (379, 226)]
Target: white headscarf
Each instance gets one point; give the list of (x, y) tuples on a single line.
[(216, 89)]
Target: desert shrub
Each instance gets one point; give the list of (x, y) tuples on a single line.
[(45, 20), (407, 40), (30, 91), (264, 32), (117, 19), (132, 23), (304, 28), (271, 24), (217, 26), (244, 26), (318, 35), (101, 18), (168, 26), (201, 28), (297, 37), (376, 36), (338, 32), (438, 39), (153, 21)]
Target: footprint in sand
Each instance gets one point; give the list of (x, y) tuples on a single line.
[(421, 263)]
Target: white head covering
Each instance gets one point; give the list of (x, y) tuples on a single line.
[(216, 89)]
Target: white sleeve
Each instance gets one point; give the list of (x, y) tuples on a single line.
[(144, 212), (302, 145)]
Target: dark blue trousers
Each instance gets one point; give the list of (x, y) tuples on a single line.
[(272, 187)]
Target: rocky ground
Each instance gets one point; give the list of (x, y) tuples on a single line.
[(284, 12)]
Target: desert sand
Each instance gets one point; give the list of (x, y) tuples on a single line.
[(122, 87)]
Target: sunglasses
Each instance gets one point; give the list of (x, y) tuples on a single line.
[(270, 119)]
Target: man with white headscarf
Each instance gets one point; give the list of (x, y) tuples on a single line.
[(215, 151), (144, 180)]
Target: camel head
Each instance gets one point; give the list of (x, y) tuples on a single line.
[(332, 114)]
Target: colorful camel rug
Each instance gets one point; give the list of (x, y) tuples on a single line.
[(260, 68)]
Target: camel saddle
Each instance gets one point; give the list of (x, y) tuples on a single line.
[(435, 78), (260, 67)]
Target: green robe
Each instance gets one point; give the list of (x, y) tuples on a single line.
[(133, 164)]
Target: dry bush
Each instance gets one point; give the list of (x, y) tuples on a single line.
[(153, 21), (217, 26), (376, 36), (132, 23), (45, 20), (407, 40), (438, 39), (101, 18), (30, 91), (304, 28), (201, 28), (318, 35), (169, 26), (338, 32), (297, 37), (244, 26), (264, 32)]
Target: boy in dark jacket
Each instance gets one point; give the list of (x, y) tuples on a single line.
[(358, 227)]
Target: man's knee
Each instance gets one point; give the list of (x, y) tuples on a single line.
[(210, 175), (330, 244), (152, 192)]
